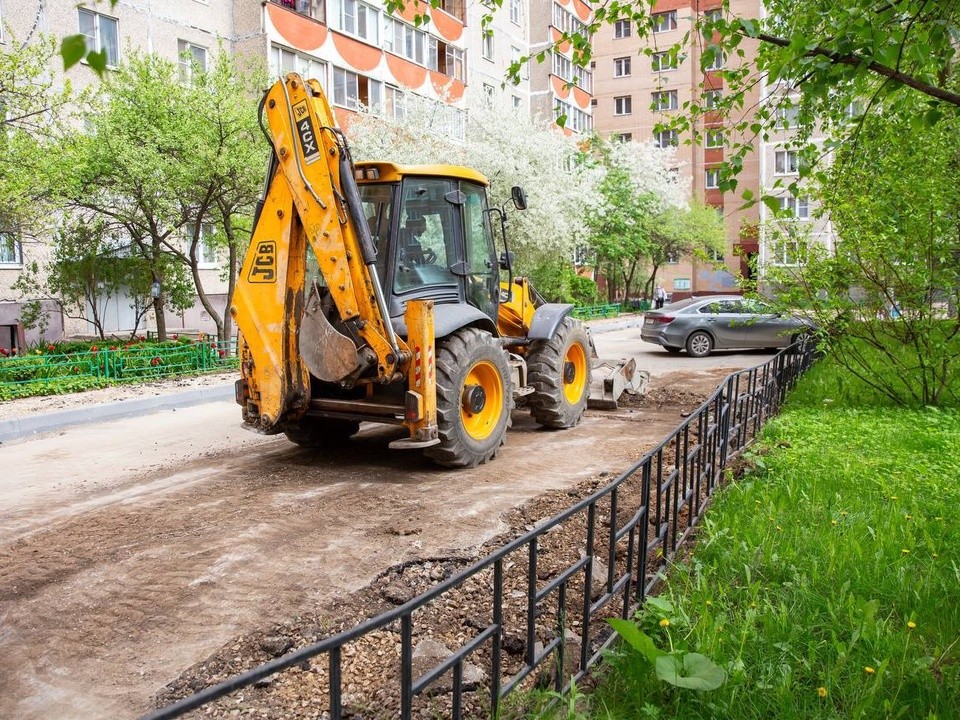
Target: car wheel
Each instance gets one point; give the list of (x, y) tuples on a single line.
[(699, 344), (671, 349)]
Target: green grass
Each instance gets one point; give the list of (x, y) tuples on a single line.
[(827, 581)]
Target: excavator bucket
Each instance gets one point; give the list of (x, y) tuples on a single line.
[(610, 379)]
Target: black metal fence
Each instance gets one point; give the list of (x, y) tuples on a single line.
[(544, 609)]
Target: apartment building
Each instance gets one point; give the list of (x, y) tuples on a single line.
[(168, 29), (634, 92), (360, 54)]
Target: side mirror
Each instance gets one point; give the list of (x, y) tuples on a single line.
[(506, 260), (519, 197)]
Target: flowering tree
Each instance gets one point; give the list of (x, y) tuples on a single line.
[(510, 149)]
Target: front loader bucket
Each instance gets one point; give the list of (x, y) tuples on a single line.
[(611, 378)]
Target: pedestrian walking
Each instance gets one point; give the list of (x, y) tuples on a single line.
[(659, 296)]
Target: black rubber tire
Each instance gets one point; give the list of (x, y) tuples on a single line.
[(699, 344), (671, 349), (322, 433), (457, 355), (549, 404)]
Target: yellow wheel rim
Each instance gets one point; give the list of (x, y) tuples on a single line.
[(574, 373), (481, 423)]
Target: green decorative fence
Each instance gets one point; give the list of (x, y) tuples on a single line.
[(42, 372), (590, 312)]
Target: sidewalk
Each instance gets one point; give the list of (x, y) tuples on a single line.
[(29, 425)]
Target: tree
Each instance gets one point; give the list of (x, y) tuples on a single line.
[(636, 188), (32, 109), (887, 298), (510, 149), (172, 165), (645, 217), (694, 230), (224, 174), (88, 268)]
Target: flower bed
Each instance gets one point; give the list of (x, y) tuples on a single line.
[(80, 365)]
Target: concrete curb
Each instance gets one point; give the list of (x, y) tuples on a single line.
[(30, 425), (634, 321)]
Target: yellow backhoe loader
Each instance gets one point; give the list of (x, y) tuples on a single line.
[(371, 292)]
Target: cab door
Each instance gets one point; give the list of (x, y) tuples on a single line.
[(483, 273)]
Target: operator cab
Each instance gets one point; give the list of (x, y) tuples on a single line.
[(432, 230)]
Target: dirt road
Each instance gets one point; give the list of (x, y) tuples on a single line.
[(131, 550)]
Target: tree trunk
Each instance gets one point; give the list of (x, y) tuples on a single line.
[(232, 261), (161, 318)]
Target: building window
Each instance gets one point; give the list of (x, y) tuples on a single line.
[(715, 255), (101, 35), (786, 162), (623, 105), (394, 102), (711, 99), (796, 207), (488, 91), (573, 74), (664, 21), (714, 138), (593, 102), (206, 252), (515, 12), (11, 253), (716, 63), (664, 61), (625, 137), (712, 179), (622, 29), (486, 44), (283, 61), (193, 59), (673, 257), (361, 20), (681, 283), (311, 8), (566, 22), (666, 139), (713, 16), (517, 102), (576, 119), (351, 90), (787, 252), (787, 116), (665, 100), (621, 67)]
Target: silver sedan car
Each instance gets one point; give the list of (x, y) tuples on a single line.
[(720, 322)]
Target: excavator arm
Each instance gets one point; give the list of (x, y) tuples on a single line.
[(311, 199)]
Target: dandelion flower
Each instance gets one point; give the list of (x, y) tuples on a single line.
[(664, 623), (709, 603), (935, 556), (779, 529), (894, 497), (911, 624), (905, 551), (833, 522), (822, 692), (753, 605), (844, 513), (869, 670)]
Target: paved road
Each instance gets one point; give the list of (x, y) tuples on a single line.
[(626, 342)]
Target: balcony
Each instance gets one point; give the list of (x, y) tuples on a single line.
[(313, 9)]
